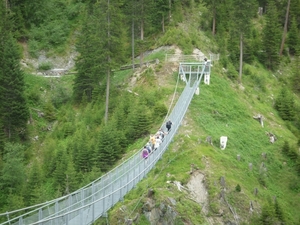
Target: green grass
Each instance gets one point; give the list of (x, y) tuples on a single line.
[(222, 108)]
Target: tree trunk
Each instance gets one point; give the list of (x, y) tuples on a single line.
[(241, 58), (170, 15), (142, 34), (132, 44), (108, 67), (214, 22), (163, 23), (107, 95), (285, 27)]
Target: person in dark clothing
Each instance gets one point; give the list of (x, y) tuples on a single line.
[(168, 125)]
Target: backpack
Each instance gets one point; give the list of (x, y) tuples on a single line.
[(168, 124)]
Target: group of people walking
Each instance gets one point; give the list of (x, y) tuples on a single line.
[(155, 140)]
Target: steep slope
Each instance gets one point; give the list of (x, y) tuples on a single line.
[(198, 183)]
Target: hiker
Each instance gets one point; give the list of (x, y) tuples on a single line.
[(152, 140), (157, 142), (148, 146), (161, 134), (145, 153), (168, 125)]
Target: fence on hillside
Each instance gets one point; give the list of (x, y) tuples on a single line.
[(190, 58)]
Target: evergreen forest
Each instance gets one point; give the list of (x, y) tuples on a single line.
[(60, 133)]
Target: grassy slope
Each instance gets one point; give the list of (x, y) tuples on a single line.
[(223, 108)]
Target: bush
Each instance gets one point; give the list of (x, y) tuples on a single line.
[(238, 188), (232, 73), (45, 66), (160, 110)]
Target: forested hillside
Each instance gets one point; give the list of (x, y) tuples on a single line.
[(58, 134)]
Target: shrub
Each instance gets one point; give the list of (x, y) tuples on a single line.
[(45, 66), (238, 188), (160, 110), (232, 73)]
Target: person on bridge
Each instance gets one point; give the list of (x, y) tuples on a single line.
[(161, 134), (148, 146), (158, 141), (169, 125), (152, 140), (145, 153)]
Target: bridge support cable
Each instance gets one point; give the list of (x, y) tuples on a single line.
[(87, 204)]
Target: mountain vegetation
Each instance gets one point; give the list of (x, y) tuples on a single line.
[(58, 134)]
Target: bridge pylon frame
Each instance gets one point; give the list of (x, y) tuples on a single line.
[(191, 71)]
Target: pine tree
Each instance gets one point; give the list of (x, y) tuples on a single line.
[(267, 214), (33, 182), (298, 166), (61, 164), (108, 150), (13, 174), (295, 10), (285, 105), (285, 148), (101, 47), (163, 10), (82, 152), (71, 178), (296, 72), (242, 15), (212, 6), (279, 212), (293, 38), (293, 155), (271, 37), (13, 109), (89, 72)]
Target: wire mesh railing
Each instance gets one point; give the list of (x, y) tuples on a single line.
[(191, 58), (92, 201)]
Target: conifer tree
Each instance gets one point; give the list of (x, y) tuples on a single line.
[(279, 212), (242, 16), (13, 109), (33, 182), (267, 214), (163, 9), (71, 178), (61, 164), (295, 10), (89, 72), (101, 47), (293, 155), (214, 7), (285, 27), (296, 72), (13, 172), (298, 166), (271, 37), (293, 38), (82, 152), (108, 150), (285, 105), (138, 122), (285, 148)]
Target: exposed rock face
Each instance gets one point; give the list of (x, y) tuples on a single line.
[(59, 64), (198, 190), (162, 215)]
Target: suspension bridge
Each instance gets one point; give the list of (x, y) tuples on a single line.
[(87, 204)]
